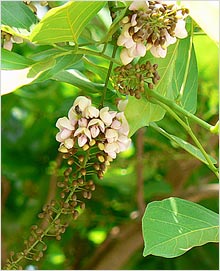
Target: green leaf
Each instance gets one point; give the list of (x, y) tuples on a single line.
[(194, 151), (13, 61), (173, 226), (77, 79), (65, 23), (140, 113), (185, 77), (17, 14), (61, 63), (40, 67)]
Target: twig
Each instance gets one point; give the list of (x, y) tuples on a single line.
[(139, 171)]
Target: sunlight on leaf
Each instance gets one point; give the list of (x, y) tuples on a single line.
[(173, 226), (65, 23)]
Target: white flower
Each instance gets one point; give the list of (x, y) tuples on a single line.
[(84, 135), (111, 135), (111, 149), (73, 117), (135, 37), (124, 129), (107, 116), (139, 5), (82, 122), (85, 122), (180, 30), (65, 128), (125, 58), (82, 102), (91, 112), (158, 51), (122, 104), (96, 126), (68, 143), (116, 124)]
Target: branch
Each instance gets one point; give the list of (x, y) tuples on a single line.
[(139, 170)]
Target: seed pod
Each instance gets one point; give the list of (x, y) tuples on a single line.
[(82, 205), (75, 214), (85, 194), (70, 161), (67, 171), (74, 197), (96, 166), (80, 181), (74, 183), (58, 237), (150, 85), (81, 158), (83, 171)]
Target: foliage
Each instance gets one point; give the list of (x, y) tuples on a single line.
[(170, 164)]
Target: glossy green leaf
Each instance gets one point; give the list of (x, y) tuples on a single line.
[(185, 77), (77, 79), (61, 63), (140, 113), (14, 61), (173, 226), (40, 67), (194, 151), (17, 14), (65, 23)]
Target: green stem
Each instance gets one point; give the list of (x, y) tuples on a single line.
[(154, 96), (79, 51), (100, 54), (108, 75), (190, 132)]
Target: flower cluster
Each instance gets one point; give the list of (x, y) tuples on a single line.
[(131, 79), (151, 25), (87, 126)]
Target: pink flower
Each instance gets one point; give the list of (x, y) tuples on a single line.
[(107, 116), (91, 112), (111, 149), (124, 124), (180, 30), (96, 126), (65, 127), (139, 5), (82, 102), (84, 135), (111, 135)]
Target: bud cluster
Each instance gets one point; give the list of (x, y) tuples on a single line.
[(131, 79), (151, 25)]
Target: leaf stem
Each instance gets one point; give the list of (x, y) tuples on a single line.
[(108, 75), (190, 132), (154, 96), (79, 51), (91, 52)]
